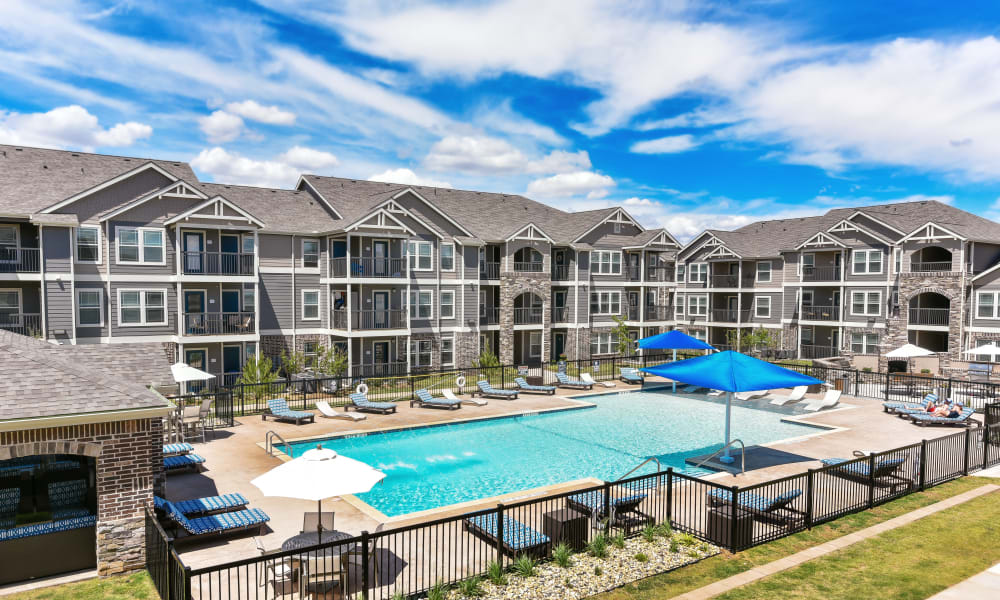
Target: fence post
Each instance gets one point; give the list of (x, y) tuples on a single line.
[(986, 446), (187, 583), (734, 506), (809, 498), (871, 480), (500, 534), (607, 506), (365, 556), (411, 385), (923, 465), (857, 382), (670, 496), (965, 460)]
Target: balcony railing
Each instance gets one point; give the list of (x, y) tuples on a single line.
[(925, 267), (29, 324), (528, 316), (821, 273), (560, 272), (659, 273), (393, 318), (369, 266), (813, 351), (929, 316), (18, 260), (632, 313), (725, 315), (820, 313), (633, 272), (379, 370), (659, 313), (560, 314), (218, 263), (489, 316), (225, 323), (691, 283), (528, 267), (725, 281), (489, 270)]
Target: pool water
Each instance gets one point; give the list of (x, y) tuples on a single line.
[(437, 466)]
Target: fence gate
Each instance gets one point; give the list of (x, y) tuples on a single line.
[(224, 408)]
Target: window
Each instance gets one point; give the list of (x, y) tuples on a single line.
[(482, 303), (251, 349), (88, 245), (605, 303), (699, 273), (421, 304), (762, 306), (867, 262), (448, 305), (535, 344), (679, 306), (681, 271), (249, 301), (899, 261), (447, 352), (10, 307), (607, 262), (807, 298), (986, 305), (310, 350), (141, 245), (985, 357), (420, 353), (142, 307), (420, 256), (807, 336), (603, 343), (866, 303), (699, 334), (8, 243), (447, 257), (618, 227), (310, 254), (310, 305), (697, 306), (808, 264), (89, 308), (764, 272), (864, 343)]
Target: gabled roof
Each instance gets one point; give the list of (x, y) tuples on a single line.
[(618, 215), (653, 236), (179, 188), (220, 204), (529, 232), (284, 211), (820, 238)]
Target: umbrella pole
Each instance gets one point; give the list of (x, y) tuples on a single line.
[(729, 405), (675, 381), (319, 522)]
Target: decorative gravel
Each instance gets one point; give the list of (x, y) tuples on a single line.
[(618, 568)]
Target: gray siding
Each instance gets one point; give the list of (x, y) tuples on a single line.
[(114, 196), (59, 307), (58, 251), (276, 301)]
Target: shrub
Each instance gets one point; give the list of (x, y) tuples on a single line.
[(598, 571), (598, 547), (525, 566), (641, 557), (686, 539), (399, 596), (649, 534), (258, 373), (563, 555), (495, 573), (674, 546), (618, 541), (471, 587), (867, 369), (292, 363), (664, 530), (438, 591), (925, 371)]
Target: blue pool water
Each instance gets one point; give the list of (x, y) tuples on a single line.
[(436, 466)]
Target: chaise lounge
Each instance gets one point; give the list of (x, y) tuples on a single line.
[(798, 393), (424, 398), (488, 391), (524, 386), (518, 538), (218, 524), (771, 510), (565, 381), (204, 506), (172, 464), (624, 511), (630, 375), (884, 474), (361, 402), (904, 407), (177, 449), (963, 420), (279, 409)]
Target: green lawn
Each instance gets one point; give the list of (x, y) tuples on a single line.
[(137, 586), (726, 564)]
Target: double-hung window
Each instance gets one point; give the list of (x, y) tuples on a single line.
[(697, 306), (535, 344), (447, 257), (310, 305), (699, 273), (602, 343), (89, 307), (866, 303), (986, 305), (866, 262), (762, 307), (864, 343), (88, 245), (447, 352), (310, 254), (249, 300), (448, 304), (421, 305), (681, 271), (605, 303), (807, 336), (8, 244), (764, 271), (420, 256), (141, 245), (606, 262), (420, 353), (142, 307), (679, 306)]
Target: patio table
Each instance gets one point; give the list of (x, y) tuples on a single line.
[(307, 539)]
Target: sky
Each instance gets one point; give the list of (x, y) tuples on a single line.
[(691, 114)]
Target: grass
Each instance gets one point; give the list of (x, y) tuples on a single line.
[(136, 586), (726, 564)]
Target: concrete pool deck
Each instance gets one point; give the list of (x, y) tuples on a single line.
[(234, 456)]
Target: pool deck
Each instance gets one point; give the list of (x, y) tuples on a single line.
[(234, 456)]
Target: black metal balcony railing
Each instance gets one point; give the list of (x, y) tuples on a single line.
[(528, 267), (815, 351), (633, 272), (19, 260), (378, 267), (659, 313), (489, 270), (225, 323), (528, 316), (490, 316), (725, 281), (29, 324), (389, 369), (560, 272), (654, 273), (560, 314), (929, 316), (725, 315), (820, 313), (924, 267), (632, 313), (218, 263), (393, 318), (821, 273)]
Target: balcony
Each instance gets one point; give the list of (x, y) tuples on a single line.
[(489, 316), (19, 260), (528, 267), (560, 272), (929, 316), (380, 268), (725, 281), (226, 323), (725, 315), (393, 318), (633, 273), (812, 351), (560, 314), (528, 316), (659, 273), (821, 273), (928, 267), (659, 313), (379, 370), (696, 283), (820, 313), (632, 313), (29, 324), (489, 270), (218, 263)]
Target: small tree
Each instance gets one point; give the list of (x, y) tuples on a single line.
[(292, 362), (621, 332), (487, 358), (331, 361), (258, 373)]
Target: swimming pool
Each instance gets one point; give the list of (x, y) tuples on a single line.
[(437, 466)]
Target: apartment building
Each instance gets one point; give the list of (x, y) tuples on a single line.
[(119, 250)]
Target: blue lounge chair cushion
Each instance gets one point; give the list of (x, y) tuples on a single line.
[(170, 449), (279, 408), (197, 506), (184, 460), (966, 413), (362, 400), (24, 531), (425, 397), (216, 523), (595, 500), (630, 374), (861, 468), (524, 385), (516, 535), (10, 499), (564, 379), (486, 388), (756, 501)]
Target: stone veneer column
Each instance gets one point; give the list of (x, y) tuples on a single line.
[(513, 285), (947, 284)]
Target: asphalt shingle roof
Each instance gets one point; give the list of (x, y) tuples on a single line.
[(288, 211)]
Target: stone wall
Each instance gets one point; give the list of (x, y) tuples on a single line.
[(129, 470), (512, 285), (466, 348), (949, 285), (272, 346)]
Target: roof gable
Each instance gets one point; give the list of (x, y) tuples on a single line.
[(81, 195), (530, 232), (618, 216), (215, 209), (931, 232), (820, 240), (177, 189)]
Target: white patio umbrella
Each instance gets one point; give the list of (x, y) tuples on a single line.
[(317, 474), (183, 372), (908, 351), (990, 348)]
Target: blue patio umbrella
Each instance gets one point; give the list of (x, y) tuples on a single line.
[(673, 340), (731, 372)]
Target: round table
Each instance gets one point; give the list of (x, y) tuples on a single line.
[(307, 539)]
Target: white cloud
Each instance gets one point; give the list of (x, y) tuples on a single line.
[(220, 126), (67, 127), (272, 115), (309, 159), (579, 183), (502, 118), (665, 145), (407, 177), (231, 167), (481, 154)]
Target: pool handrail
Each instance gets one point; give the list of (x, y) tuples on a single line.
[(269, 441), (659, 467), (743, 455)]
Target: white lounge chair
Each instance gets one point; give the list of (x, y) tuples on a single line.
[(589, 379), (751, 395), (447, 393), (715, 392), (327, 411), (798, 393), (830, 399)]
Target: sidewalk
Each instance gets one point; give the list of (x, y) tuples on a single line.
[(985, 586)]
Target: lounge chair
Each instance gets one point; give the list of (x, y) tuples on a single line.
[(451, 396), (177, 449), (903, 407), (693, 389), (518, 538), (884, 474), (630, 375), (829, 400), (327, 411), (424, 398), (772, 510), (185, 461), (279, 409), (361, 402), (68, 499), (624, 511), (798, 393), (565, 381), (205, 506), (588, 378), (751, 395), (715, 392), (964, 419), (487, 390), (10, 499), (524, 386), (221, 524)]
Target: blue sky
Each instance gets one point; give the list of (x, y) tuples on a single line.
[(692, 114)]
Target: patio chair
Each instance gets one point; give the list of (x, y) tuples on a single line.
[(771, 510), (424, 398), (588, 378), (798, 393), (219, 524), (884, 474), (565, 381), (624, 511), (751, 395), (829, 400), (693, 389), (279, 571), (327, 411), (177, 449), (322, 571), (361, 402), (473, 401), (902, 407), (197, 420), (518, 538), (962, 420), (204, 506), (172, 464), (630, 375), (10, 499), (68, 499), (488, 391), (524, 386), (279, 409), (312, 520)]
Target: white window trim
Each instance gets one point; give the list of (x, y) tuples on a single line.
[(100, 304), (680, 301), (770, 271), (415, 306), (878, 294), (415, 353), (757, 306), (20, 298), (454, 260), (302, 254), (139, 231), (680, 274), (865, 349), (611, 261), (610, 302), (812, 298), (702, 269), (802, 261), (441, 352), (854, 263), (17, 242), (533, 335), (142, 307), (416, 254), (319, 302), (603, 337), (697, 300), (812, 335), (450, 293), (996, 313), (100, 249)]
